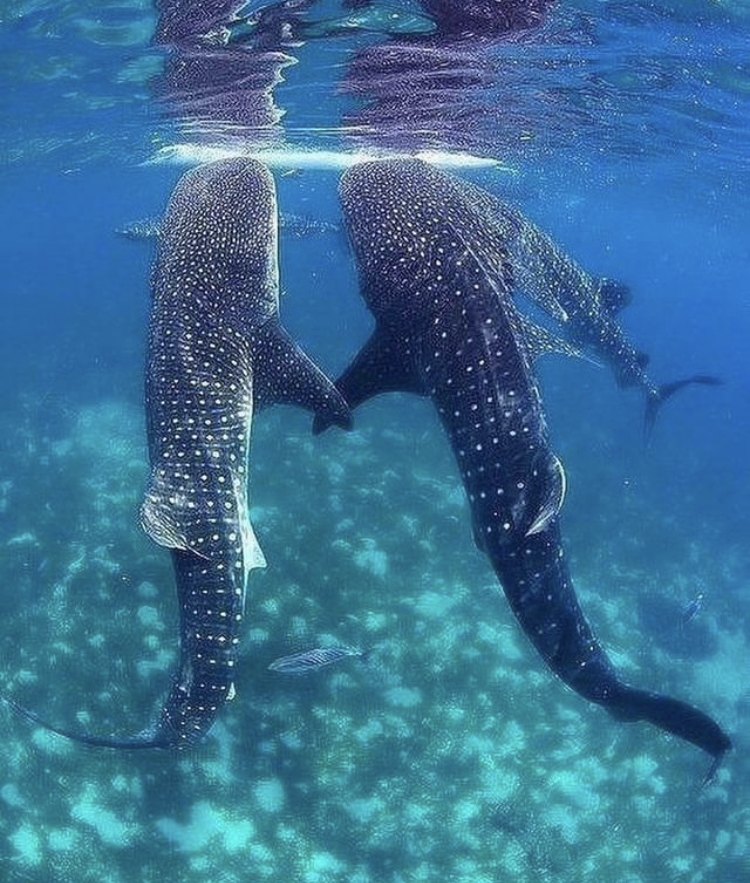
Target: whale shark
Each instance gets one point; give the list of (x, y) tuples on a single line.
[(584, 307), (438, 281), (217, 354)]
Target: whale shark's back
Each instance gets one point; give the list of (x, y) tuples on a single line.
[(220, 243), (414, 233)]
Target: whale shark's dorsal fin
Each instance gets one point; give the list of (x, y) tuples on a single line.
[(165, 524), (382, 365), (287, 376)]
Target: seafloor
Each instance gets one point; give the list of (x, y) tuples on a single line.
[(449, 754)]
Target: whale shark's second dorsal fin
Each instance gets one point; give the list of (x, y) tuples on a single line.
[(382, 365)]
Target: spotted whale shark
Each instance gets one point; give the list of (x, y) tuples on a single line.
[(217, 354), (583, 306), (437, 280)]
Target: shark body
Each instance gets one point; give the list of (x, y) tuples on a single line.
[(217, 354), (438, 280)]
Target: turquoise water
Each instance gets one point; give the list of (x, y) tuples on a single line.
[(450, 752)]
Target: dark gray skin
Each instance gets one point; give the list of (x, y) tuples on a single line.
[(435, 278), (216, 355)]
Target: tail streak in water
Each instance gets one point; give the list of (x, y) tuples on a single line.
[(216, 354), (433, 273)]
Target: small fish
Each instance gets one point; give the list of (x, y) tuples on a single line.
[(305, 225), (691, 610), (298, 226), (144, 228), (311, 660)]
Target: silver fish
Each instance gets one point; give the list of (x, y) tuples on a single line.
[(217, 355), (142, 229), (298, 226), (691, 610), (311, 660)]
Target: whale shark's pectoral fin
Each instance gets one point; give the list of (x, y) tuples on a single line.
[(545, 300), (548, 485), (382, 365), (285, 375), (555, 309)]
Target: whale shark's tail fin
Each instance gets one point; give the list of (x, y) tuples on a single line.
[(656, 398), (679, 718), (146, 739)]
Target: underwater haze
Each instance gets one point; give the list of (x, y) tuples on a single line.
[(439, 746)]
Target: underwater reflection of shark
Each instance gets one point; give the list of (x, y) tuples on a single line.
[(216, 355), (436, 278), (584, 306)]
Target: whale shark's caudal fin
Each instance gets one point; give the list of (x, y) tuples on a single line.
[(679, 718), (656, 398), (142, 230), (146, 739), (287, 376)]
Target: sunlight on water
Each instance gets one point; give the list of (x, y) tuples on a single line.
[(290, 157)]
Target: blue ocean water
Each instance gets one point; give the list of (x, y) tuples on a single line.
[(451, 753)]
